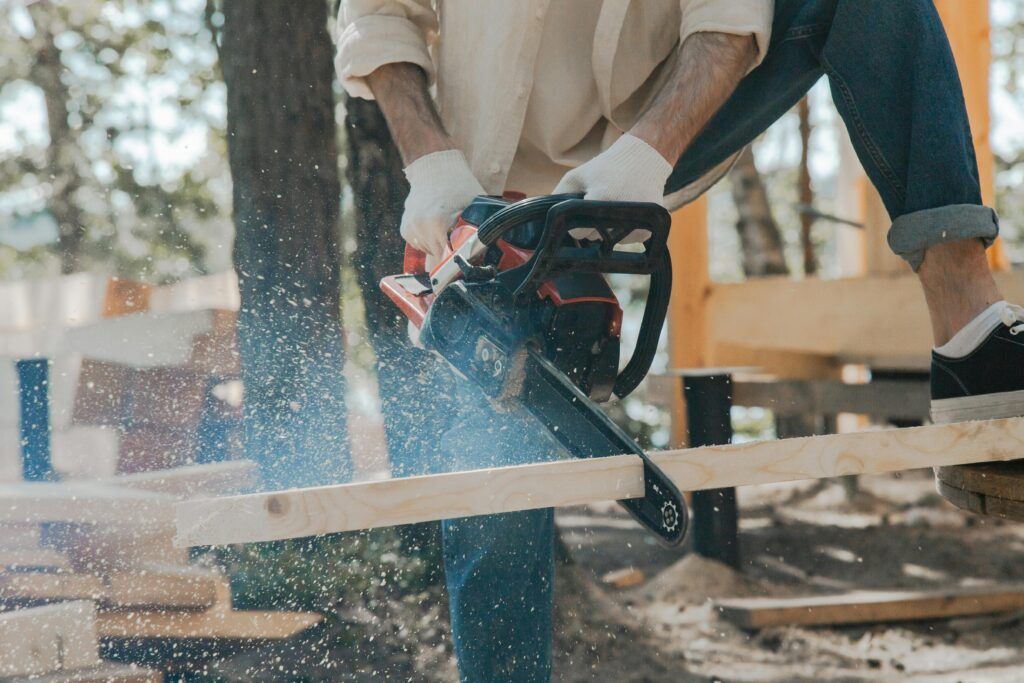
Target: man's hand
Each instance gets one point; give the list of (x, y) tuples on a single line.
[(635, 168), (628, 171), (440, 182), (440, 187)]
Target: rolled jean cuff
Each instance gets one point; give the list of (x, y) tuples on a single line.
[(912, 233)]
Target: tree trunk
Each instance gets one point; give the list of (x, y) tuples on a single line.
[(277, 59), (760, 239), (414, 386), (804, 187), (62, 153)]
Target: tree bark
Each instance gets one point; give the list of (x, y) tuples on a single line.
[(62, 153), (415, 388), (804, 188), (760, 239), (277, 60)]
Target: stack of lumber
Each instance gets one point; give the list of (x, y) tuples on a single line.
[(159, 408), (60, 643), (96, 558), (131, 374)]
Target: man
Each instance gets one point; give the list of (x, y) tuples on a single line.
[(649, 101)]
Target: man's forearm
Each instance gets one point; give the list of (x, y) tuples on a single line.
[(707, 70), (401, 91)]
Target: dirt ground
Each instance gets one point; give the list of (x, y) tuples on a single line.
[(799, 539)]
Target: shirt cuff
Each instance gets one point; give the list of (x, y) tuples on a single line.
[(734, 17), (373, 41)]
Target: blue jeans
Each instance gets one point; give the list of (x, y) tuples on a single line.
[(499, 569), (895, 84)]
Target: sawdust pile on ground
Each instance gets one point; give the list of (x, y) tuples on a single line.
[(695, 580)]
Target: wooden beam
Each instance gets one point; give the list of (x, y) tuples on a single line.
[(215, 623), (968, 27), (83, 503), (186, 590), (328, 509), (104, 673), (33, 559), (862, 607), (51, 638), (881, 321), (688, 246), (209, 479), (109, 549)]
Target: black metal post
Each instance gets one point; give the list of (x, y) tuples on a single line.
[(34, 395), (715, 522)]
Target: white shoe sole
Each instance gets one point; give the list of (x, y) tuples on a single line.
[(983, 407)]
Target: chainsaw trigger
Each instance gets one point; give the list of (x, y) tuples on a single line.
[(471, 273)]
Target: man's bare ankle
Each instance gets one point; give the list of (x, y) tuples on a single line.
[(958, 285)]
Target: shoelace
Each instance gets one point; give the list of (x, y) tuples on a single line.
[(1013, 317)]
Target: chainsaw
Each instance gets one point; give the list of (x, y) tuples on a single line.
[(522, 308)]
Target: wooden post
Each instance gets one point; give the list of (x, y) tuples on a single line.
[(34, 394), (688, 244), (967, 25), (708, 408)]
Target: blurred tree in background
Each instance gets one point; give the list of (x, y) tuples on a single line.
[(111, 139), (1008, 114), (278, 64)]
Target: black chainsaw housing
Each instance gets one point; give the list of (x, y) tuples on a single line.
[(542, 334)]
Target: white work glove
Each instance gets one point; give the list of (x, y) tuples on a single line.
[(440, 187), (628, 171)]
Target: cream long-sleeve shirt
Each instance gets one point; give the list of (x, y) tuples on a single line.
[(530, 88)]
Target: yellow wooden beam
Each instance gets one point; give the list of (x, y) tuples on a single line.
[(967, 25), (691, 281), (881, 321)]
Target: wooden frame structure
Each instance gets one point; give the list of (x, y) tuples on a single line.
[(297, 513)]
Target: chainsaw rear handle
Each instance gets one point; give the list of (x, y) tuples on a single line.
[(555, 254)]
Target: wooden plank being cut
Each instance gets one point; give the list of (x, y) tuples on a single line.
[(40, 640), (192, 590), (210, 479), (861, 607), (346, 507)]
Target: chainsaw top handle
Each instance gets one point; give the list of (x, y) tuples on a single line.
[(556, 253)]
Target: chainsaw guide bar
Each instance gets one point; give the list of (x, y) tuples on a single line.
[(522, 309)]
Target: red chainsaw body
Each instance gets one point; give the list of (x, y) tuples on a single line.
[(413, 296)]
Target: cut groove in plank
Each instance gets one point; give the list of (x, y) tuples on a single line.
[(861, 607), (50, 638), (314, 511)]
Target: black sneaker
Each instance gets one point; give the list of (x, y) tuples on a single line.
[(988, 382)]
